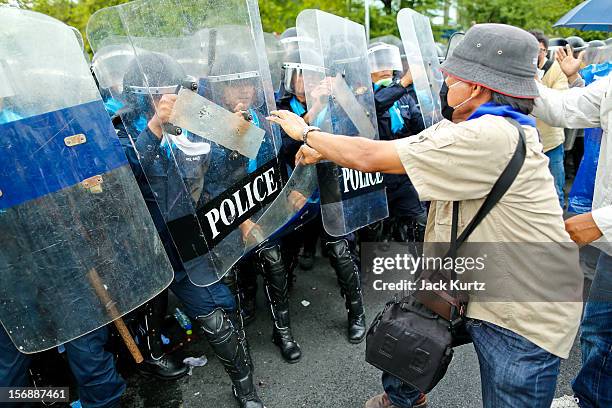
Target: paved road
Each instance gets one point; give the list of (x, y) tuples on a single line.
[(332, 372)]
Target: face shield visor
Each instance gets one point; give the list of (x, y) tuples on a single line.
[(236, 92), (294, 76), (384, 57)]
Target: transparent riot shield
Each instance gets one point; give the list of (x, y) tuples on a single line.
[(211, 163), (422, 56), (108, 66), (340, 98), (79, 248), (275, 52), (81, 42), (453, 42), (598, 55)]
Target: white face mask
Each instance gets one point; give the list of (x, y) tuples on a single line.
[(540, 74), (462, 103), (187, 146)]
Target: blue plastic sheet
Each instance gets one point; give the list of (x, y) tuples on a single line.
[(581, 194)]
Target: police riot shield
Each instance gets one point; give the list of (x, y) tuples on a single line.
[(453, 42), (275, 53), (422, 56), (209, 157), (340, 98), (108, 66), (598, 55), (79, 248)]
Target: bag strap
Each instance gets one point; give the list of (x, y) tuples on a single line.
[(449, 306), (500, 188)]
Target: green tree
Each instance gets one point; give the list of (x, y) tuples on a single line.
[(527, 14)]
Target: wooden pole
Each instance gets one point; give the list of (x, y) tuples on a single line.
[(102, 293)]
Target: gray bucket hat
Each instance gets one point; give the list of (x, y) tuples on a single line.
[(500, 57)]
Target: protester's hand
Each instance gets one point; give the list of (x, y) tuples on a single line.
[(569, 65), (291, 123), (307, 155), (406, 80), (297, 200), (582, 229)]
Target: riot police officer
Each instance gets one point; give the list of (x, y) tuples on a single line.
[(340, 250), (398, 117), (161, 168)]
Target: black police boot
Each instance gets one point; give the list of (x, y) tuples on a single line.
[(276, 284), (156, 362), (307, 259), (233, 352), (348, 278), (247, 291)]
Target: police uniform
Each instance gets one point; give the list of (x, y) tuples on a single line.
[(398, 117), (340, 250)]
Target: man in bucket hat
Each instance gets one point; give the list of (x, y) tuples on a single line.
[(519, 337)]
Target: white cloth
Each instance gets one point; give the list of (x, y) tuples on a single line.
[(579, 108)]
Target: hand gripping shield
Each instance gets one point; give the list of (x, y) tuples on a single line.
[(76, 235), (422, 56), (213, 170), (340, 99)]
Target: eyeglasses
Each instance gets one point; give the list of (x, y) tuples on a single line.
[(543, 50)]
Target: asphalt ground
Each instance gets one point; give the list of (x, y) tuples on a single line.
[(332, 372)]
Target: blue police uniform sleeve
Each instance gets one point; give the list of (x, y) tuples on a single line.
[(147, 145), (129, 151), (385, 97), (416, 118)]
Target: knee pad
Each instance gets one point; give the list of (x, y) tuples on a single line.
[(338, 250), (271, 260)]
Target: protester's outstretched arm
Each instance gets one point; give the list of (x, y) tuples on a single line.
[(576, 108), (348, 151)]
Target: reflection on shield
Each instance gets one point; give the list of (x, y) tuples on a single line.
[(422, 56), (212, 168), (79, 248), (340, 98)]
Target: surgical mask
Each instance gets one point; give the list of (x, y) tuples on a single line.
[(447, 110), (384, 82)]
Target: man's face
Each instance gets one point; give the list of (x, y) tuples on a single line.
[(542, 55)]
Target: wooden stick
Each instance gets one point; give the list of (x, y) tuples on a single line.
[(102, 293)]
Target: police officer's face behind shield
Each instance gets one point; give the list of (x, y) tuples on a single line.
[(239, 95), (377, 76), (298, 85)]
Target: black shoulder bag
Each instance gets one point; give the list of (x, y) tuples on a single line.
[(413, 337)]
